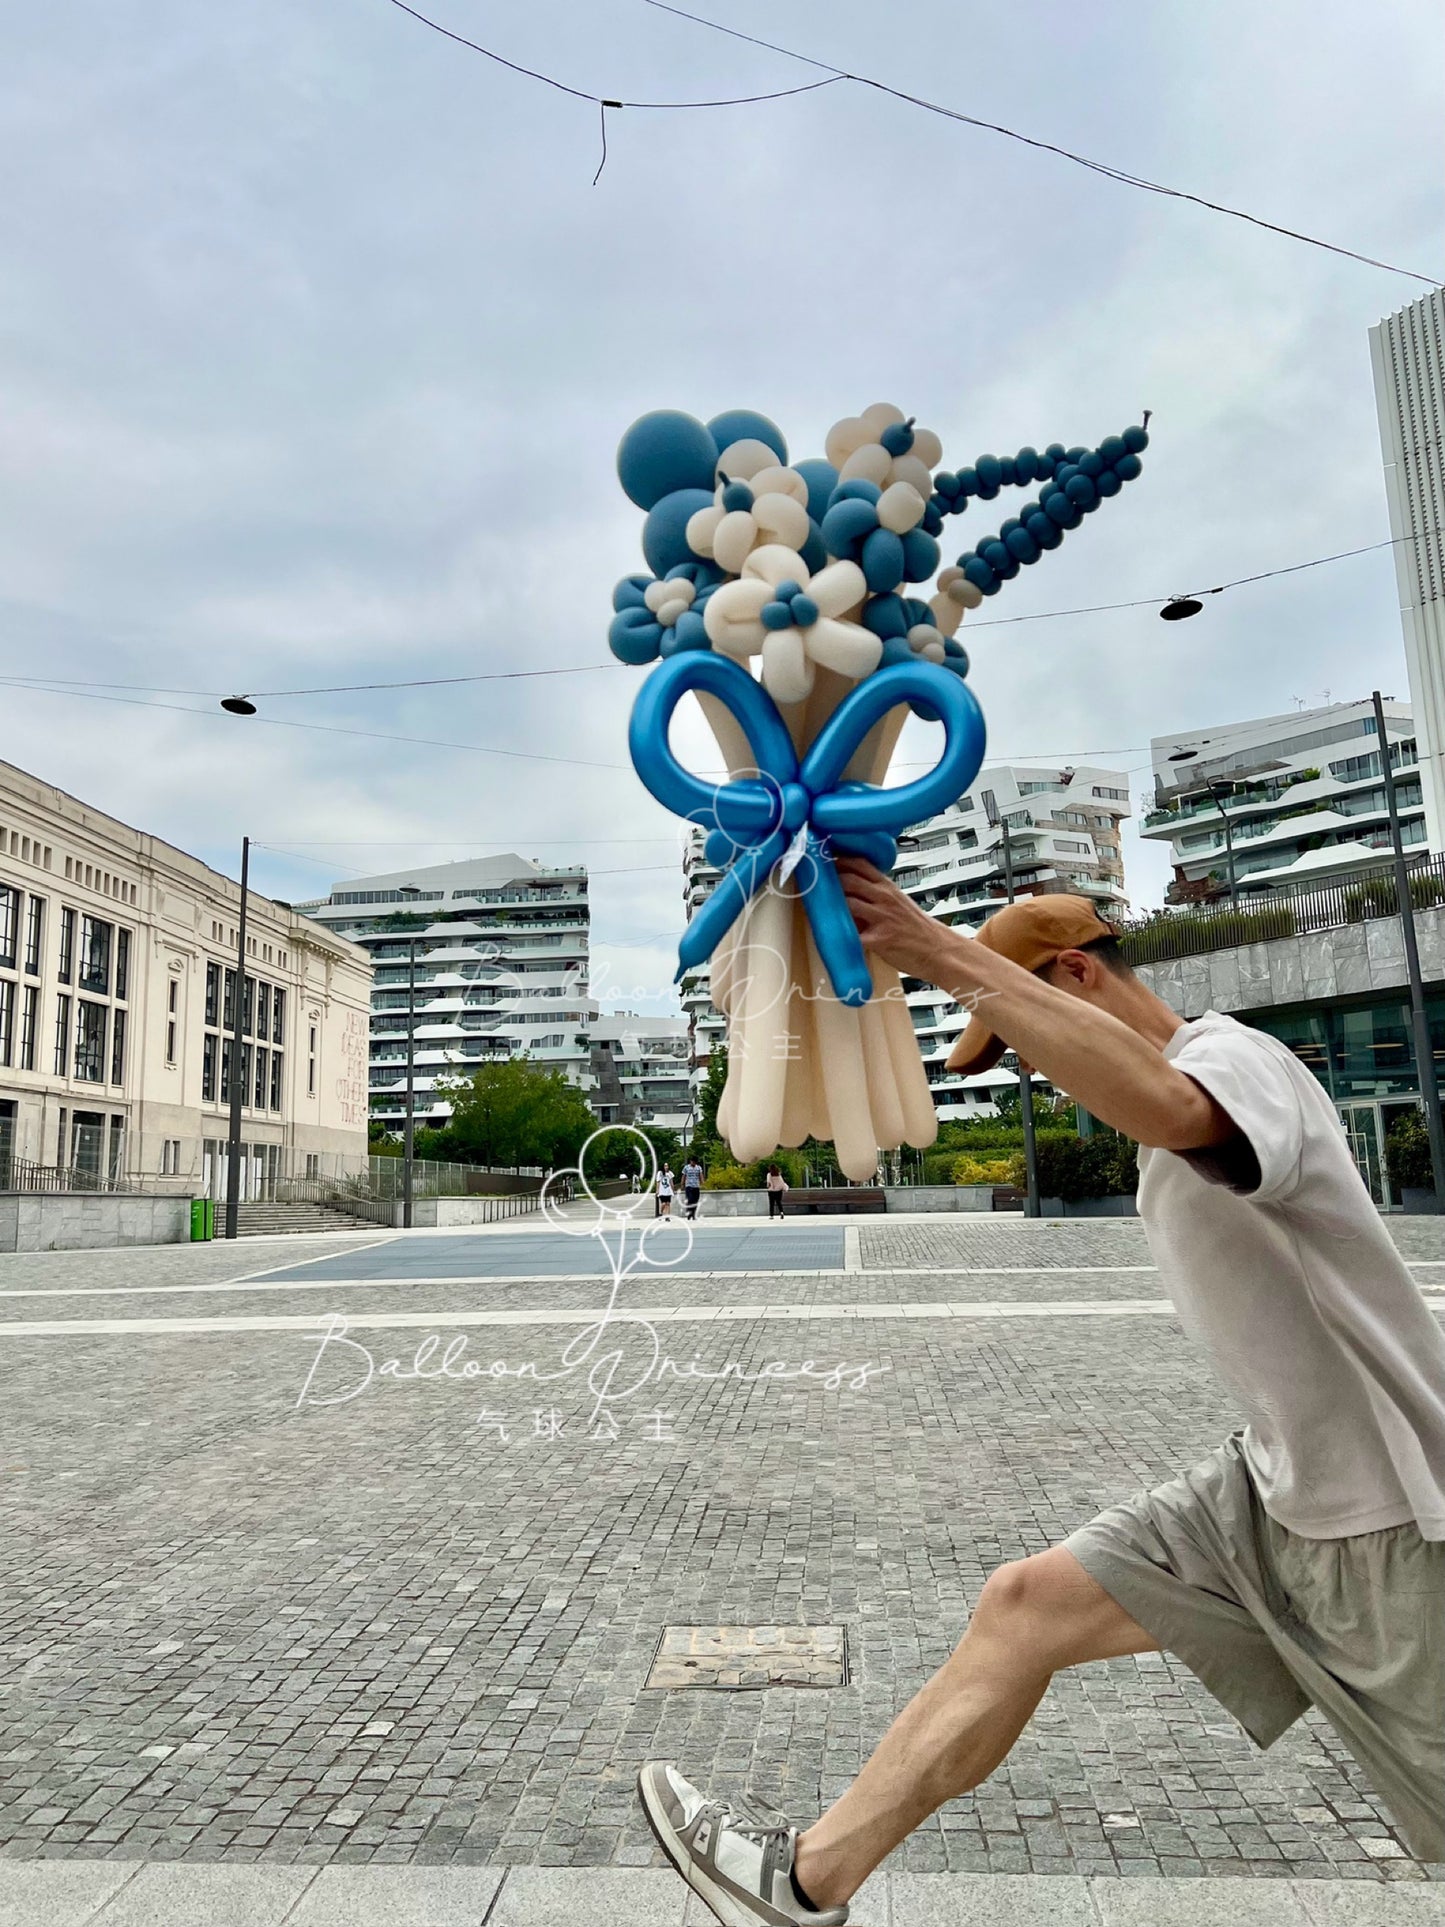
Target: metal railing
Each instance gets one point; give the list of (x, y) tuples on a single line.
[(23, 1174), (1358, 898)]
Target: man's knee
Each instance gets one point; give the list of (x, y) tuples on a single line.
[(1052, 1614)]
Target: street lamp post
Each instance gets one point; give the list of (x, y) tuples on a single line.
[(237, 1091), (1026, 1082), (1419, 1022), (408, 1147), (1219, 791)]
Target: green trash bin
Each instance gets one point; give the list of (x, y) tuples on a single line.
[(203, 1219)]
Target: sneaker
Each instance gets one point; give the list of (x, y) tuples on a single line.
[(736, 1856)]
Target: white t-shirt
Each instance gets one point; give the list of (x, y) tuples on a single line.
[(1282, 1268)]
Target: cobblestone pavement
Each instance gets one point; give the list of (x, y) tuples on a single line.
[(377, 1630)]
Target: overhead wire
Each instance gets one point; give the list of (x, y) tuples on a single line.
[(835, 75)]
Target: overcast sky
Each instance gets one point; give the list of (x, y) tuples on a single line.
[(316, 342)]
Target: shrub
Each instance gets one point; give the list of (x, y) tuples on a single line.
[(976, 1170), (726, 1177), (1102, 1166), (1377, 896), (1407, 1153), (1185, 933)]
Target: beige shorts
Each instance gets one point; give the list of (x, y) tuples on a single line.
[(1273, 1623)]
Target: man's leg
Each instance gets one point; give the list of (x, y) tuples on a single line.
[(1034, 1618)]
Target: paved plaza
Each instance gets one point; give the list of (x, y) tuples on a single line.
[(335, 1569)]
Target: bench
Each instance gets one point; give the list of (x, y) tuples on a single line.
[(841, 1197)]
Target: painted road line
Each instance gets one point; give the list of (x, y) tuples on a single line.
[(652, 1314)]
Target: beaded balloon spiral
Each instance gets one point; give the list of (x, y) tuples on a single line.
[(812, 574)]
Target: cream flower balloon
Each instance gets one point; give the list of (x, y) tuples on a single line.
[(778, 611), (771, 508), (881, 445)]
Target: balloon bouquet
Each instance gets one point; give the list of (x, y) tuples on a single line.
[(809, 573)]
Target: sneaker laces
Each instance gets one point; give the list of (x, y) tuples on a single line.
[(756, 1817)]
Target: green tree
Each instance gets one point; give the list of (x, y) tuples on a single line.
[(706, 1139), (517, 1112)]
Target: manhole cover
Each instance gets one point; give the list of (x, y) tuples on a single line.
[(740, 1659)]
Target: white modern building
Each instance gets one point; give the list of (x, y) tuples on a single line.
[(1057, 830), (118, 957), (501, 970), (1302, 796), (706, 1024), (642, 1067), (1407, 352)]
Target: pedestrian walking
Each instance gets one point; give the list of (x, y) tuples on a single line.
[(664, 1191), (1302, 1563), (692, 1175), (776, 1184)]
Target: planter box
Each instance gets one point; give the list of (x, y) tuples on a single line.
[(1420, 1203), (1120, 1207)]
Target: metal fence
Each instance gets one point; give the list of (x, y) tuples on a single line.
[(22, 1174), (1223, 926)]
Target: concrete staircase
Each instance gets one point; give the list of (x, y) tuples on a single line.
[(273, 1220)]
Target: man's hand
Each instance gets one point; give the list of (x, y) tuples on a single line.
[(891, 924)]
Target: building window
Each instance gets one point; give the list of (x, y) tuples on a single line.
[(90, 1026), (228, 1005), (34, 931), (311, 1064), (261, 1085), (67, 945), (122, 966), (276, 1062), (172, 1001), (170, 1157), (313, 1164), (278, 1016), (213, 994), (117, 1143), (263, 1010), (226, 1047), (9, 926), (7, 1019), (248, 1006), (62, 1037), (117, 1048), (95, 942), (208, 1069), (29, 1026), (246, 1074)]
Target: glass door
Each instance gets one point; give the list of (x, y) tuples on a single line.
[(1366, 1136)]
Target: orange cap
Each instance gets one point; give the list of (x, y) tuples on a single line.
[(1030, 933)]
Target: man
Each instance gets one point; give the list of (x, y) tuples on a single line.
[(1302, 1563), (691, 1185)]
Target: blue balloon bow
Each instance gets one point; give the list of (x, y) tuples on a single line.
[(802, 811)]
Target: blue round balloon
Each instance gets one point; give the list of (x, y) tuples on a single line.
[(1061, 511), (776, 615), (895, 649), (1092, 464), (814, 551), (946, 482), (1136, 440), (932, 523), (883, 558), (886, 616), (1080, 489), (978, 572), (920, 555), (968, 481), (635, 636), (897, 438), (1128, 468), (1076, 455), (1008, 524), (821, 478), (1020, 543), (1026, 465), (737, 495), (664, 533), (662, 453), (1111, 448), (1044, 467), (990, 473), (631, 592), (1045, 531), (1108, 483), (857, 489), (846, 525), (746, 425)]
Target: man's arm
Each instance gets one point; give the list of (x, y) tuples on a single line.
[(1113, 1072)]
